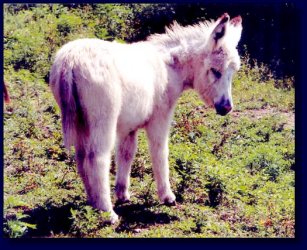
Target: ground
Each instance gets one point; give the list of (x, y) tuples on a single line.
[(233, 176)]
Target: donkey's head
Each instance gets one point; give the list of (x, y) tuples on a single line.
[(216, 66)]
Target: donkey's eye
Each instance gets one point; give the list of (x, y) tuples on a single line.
[(216, 73)]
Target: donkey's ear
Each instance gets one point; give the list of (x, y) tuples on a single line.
[(235, 29), (236, 21), (220, 29)]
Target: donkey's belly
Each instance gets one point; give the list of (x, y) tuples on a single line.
[(134, 115)]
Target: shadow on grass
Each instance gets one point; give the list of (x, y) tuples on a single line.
[(52, 220), (135, 216), (49, 219)]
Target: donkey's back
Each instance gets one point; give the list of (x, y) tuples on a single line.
[(93, 79)]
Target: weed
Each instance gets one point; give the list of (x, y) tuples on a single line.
[(233, 176)]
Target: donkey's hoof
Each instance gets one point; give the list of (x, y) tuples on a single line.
[(169, 200), (122, 194), (122, 201), (112, 218), (122, 198), (170, 203)]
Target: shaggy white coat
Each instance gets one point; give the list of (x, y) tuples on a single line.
[(107, 91)]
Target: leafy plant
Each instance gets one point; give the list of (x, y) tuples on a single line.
[(16, 228)]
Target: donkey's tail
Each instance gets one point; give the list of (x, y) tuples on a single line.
[(68, 108), (74, 120), (61, 82)]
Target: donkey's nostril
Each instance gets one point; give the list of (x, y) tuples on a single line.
[(222, 109), (228, 108)]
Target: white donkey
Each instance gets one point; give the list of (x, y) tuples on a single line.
[(107, 91)]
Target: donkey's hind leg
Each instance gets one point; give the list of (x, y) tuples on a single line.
[(125, 152), (93, 160)]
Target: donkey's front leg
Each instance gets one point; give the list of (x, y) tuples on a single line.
[(157, 132), (125, 151)]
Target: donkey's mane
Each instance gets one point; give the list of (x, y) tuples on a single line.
[(176, 34)]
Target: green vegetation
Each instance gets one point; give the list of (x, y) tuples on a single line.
[(233, 176)]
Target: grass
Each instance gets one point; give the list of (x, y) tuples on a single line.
[(233, 176)]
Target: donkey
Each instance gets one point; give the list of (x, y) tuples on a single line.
[(107, 91)]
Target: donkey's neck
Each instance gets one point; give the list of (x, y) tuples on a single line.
[(181, 49), (183, 59), (180, 69)]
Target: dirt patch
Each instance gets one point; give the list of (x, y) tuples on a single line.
[(288, 117)]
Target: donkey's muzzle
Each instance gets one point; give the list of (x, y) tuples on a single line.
[(223, 108)]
